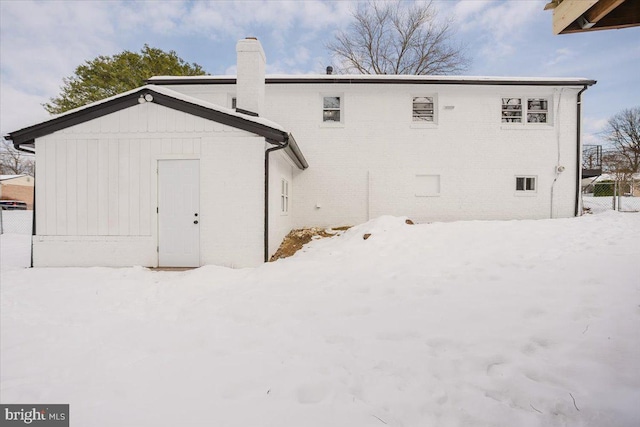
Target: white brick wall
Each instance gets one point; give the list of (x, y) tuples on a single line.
[(366, 166)]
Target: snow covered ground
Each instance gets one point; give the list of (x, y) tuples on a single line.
[(479, 323)]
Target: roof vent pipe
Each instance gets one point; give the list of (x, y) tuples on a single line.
[(329, 70)]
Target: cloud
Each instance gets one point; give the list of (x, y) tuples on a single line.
[(497, 26)]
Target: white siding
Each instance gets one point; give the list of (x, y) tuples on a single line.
[(97, 199)]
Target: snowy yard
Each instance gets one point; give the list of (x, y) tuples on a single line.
[(479, 323)]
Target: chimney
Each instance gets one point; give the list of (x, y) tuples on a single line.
[(250, 80)]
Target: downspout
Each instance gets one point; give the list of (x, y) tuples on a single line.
[(558, 168), (579, 150), (33, 217), (278, 146)]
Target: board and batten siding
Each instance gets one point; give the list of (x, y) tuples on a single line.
[(97, 189), (102, 186)]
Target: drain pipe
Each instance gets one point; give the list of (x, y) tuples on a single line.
[(278, 146), (558, 169), (579, 150)]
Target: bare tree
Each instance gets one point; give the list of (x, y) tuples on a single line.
[(14, 162), (623, 131), (397, 38)]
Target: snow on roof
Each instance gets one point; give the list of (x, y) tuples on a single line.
[(6, 177), (388, 77), (172, 94)]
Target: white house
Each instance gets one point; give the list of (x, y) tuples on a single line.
[(188, 171)]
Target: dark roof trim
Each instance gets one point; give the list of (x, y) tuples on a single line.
[(29, 134), (375, 80)]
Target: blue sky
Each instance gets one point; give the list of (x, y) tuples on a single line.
[(41, 42)]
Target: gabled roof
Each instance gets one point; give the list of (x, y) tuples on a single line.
[(379, 79), (271, 131)]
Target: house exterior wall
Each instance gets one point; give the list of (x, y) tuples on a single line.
[(97, 189), (377, 159), (280, 220)]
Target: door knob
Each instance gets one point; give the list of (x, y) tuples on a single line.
[(195, 222)]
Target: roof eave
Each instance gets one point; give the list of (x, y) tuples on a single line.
[(29, 134)]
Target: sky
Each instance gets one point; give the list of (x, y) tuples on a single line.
[(42, 42)]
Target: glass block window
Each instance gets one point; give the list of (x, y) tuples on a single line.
[(511, 110), (331, 109), (423, 109), (537, 110)]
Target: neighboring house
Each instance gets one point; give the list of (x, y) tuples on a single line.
[(629, 185), (17, 187), (434, 148)]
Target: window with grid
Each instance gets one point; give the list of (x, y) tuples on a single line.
[(526, 184), (284, 196), (331, 106), (537, 110), (511, 110), (423, 109), (514, 110)]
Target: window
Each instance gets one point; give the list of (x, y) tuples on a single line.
[(284, 196), (331, 109), (511, 110), (526, 184), (427, 185), (536, 110), (423, 109), (233, 103)]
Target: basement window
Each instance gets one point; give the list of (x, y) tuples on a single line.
[(284, 196), (515, 110), (526, 184), (424, 109), (331, 109)]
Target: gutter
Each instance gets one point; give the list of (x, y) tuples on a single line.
[(579, 149)]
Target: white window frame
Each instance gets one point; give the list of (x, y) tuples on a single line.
[(332, 123), (526, 180), (526, 110), (284, 196), (434, 111)]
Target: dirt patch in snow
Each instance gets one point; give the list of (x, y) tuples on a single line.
[(296, 239)]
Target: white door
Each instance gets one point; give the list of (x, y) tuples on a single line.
[(179, 213)]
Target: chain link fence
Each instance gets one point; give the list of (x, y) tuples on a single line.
[(621, 195), (16, 222)]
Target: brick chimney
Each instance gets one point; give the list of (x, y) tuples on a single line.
[(250, 80)]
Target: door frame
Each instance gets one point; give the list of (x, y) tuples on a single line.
[(156, 162)]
